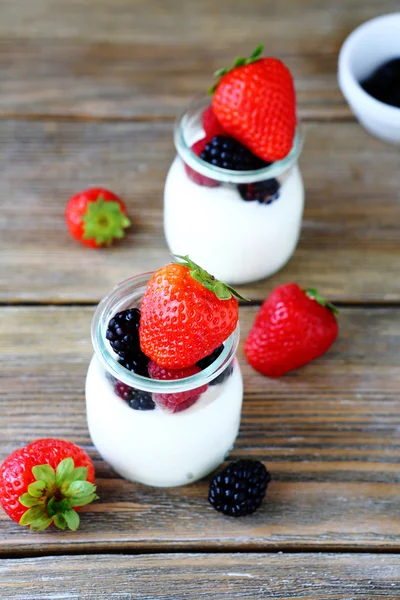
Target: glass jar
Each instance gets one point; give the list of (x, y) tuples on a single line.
[(167, 444), (210, 213)]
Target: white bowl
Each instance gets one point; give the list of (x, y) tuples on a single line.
[(366, 48)]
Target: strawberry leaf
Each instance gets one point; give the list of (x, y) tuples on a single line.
[(41, 524), (80, 488), (220, 289), (37, 489), (255, 55), (44, 473), (79, 474), (28, 500), (72, 519), (313, 294), (32, 514), (240, 61), (60, 522), (64, 470), (83, 501)]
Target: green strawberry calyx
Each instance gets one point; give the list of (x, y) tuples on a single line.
[(222, 290), (104, 221), (314, 294), (239, 62), (55, 494)]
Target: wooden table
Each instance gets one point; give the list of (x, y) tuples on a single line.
[(89, 92)]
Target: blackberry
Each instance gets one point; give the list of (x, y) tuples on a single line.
[(227, 153), (137, 399), (136, 364), (239, 489), (264, 192), (223, 376), (140, 400), (123, 332), (208, 360)]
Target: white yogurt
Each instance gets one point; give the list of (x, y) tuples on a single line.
[(159, 448), (235, 240)]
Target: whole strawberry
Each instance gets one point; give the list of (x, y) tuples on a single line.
[(45, 482), (255, 103), (185, 314), (96, 217), (292, 328)]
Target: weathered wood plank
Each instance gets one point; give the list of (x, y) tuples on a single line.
[(328, 433), (195, 576), (130, 59), (349, 242), (141, 81)]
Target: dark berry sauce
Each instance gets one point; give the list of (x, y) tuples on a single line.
[(384, 83)]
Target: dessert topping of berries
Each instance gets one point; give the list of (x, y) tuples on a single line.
[(255, 103), (96, 217), (137, 399), (198, 178), (227, 153), (211, 125), (208, 360), (240, 488), (292, 328), (265, 192), (136, 363), (185, 314), (123, 335), (171, 401), (384, 83), (45, 483)]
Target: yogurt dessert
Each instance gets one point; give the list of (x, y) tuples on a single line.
[(234, 194), (164, 389)]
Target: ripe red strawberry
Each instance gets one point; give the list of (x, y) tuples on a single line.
[(211, 125), (45, 482), (291, 328), (198, 178), (96, 217), (255, 103), (185, 314), (175, 402)]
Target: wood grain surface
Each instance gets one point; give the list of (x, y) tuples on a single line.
[(348, 248), (135, 59), (88, 97), (196, 576), (328, 433)]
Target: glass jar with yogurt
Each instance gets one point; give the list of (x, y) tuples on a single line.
[(241, 226), (130, 418)]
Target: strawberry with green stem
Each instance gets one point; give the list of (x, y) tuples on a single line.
[(96, 217), (45, 483), (185, 314), (292, 328), (255, 102)]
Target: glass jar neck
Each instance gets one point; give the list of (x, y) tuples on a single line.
[(129, 294), (189, 129)]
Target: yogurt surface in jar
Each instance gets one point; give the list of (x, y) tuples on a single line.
[(159, 448)]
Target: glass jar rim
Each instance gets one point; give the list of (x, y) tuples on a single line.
[(110, 305), (227, 175)]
